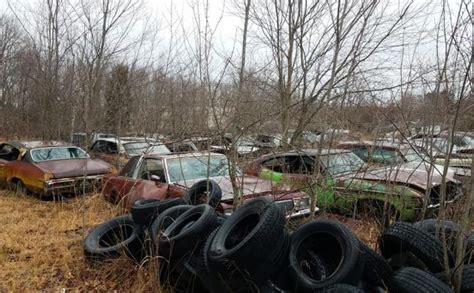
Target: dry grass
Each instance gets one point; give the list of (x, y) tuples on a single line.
[(41, 246)]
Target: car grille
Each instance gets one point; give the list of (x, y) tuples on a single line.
[(286, 205)]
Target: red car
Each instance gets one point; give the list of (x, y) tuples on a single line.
[(168, 176), (49, 168)]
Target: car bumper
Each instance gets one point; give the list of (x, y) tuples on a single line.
[(293, 211), (76, 185)]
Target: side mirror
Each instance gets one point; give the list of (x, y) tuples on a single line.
[(155, 178)]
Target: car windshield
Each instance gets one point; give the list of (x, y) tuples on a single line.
[(57, 153), (342, 163), (414, 155), (140, 148), (196, 167)]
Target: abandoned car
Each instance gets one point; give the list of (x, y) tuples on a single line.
[(169, 176), (405, 155), (49, 168), (339, 179), (117, 151)]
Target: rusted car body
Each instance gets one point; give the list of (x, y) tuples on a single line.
[(117, 151), (49, 168), (169, 176), (344, 181), (404, 155)]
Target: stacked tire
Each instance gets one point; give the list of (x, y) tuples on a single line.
[(199, 250)]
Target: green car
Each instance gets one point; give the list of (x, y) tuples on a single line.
[(344, 182)]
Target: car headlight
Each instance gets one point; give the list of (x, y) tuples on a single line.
[(301, 203)]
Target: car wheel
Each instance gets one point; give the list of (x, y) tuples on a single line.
[(335, 244), (404, 237), (432, 226), (467, 283), (20, 188), (113, 238), (251, 237), (411, 280)]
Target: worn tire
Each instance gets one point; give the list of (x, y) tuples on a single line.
[(187, 232), (413, 280), (467, 283), (342, 288), (404, 237), (213, 189), (144, 211), (113, 238), (451, 230), (377, 271), (165, 219), (250, 237), (332, 241), (469, 259)]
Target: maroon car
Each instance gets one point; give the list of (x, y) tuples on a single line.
[(49, 168), (168, 176)]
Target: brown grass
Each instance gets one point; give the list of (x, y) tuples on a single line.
[(41, 246)]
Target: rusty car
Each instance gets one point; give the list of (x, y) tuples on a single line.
[(341, 180), (117, 151), (49, 168), (383, 153), (153, 176)]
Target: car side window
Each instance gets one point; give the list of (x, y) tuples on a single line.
[(97, 146), (278, 164), (152, 167), (130, 167), (8, 152)]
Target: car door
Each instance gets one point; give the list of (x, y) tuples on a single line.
[(8, 156)]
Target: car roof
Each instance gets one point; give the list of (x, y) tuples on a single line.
[(182, 155), (31, 144), (307, 152), (380, 143)]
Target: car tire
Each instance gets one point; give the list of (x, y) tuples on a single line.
[(377, 271), (194, 193), (470, 250), (413, 280), (431, 226), (113, 238), (20, 188), (343, 288), (187, 232), (144, 211), (250, 237), (165, 219), (332, 241), (404, 237), (467, 283)]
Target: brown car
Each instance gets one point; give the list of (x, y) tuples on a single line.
[(49, 168), (169, 176)]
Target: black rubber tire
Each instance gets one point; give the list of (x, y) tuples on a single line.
[(334, 242), (144, 211), (187, 232), (165, 219), (413, 280), (467, 283), (20, 188), (451, 230), (404, 237), (250, 237), (342, 288), (203, 186), (406, 259), (469, 258), (113, 238), (377, 271)]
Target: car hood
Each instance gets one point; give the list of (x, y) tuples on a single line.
[(74, 167), (251, 185), (406, 174)]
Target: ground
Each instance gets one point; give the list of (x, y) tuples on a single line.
[(41, 246)]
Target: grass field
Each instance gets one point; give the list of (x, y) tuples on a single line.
[(41, 246)]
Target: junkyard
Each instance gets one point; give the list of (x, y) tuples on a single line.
[(236, 146)]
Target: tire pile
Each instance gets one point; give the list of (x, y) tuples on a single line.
[(199, 250)]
